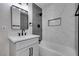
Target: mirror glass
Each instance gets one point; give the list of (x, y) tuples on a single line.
[(19, 18)]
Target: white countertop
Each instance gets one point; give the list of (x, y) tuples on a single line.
[(15, 39)]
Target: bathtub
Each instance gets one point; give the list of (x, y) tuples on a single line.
[(53, 49)]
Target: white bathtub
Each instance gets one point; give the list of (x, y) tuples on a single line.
[(52, 49)]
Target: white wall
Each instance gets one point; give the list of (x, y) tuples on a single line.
[(5, 20), (64, 34)]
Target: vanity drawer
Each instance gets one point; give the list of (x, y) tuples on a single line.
[(25, 43)]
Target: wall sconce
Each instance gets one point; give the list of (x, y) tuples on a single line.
[(30, 23)]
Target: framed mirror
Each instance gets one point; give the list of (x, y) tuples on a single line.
[(19, 18)]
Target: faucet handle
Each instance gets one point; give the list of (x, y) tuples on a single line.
[(18, 34), (25, 33)]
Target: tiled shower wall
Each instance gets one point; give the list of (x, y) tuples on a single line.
[(65, 33)]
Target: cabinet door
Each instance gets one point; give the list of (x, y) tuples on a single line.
[(34, 50), (23, 52)]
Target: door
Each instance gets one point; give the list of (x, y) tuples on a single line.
[(37, 21)]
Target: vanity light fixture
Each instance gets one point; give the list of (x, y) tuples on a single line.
[(23, 3)]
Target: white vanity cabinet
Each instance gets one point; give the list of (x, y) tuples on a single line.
[(25, 47)]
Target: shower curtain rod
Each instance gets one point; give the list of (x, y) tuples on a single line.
[(77, 11)]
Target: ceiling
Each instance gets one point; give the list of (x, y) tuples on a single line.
[(43, 5)]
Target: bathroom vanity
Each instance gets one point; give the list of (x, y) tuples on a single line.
[(24, 45)]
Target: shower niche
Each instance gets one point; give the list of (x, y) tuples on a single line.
[(19, 18)]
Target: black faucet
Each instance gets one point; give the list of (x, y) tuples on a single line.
[(22, 31)]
